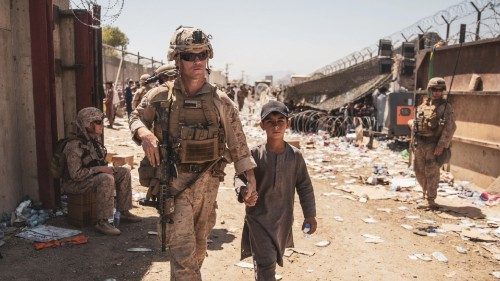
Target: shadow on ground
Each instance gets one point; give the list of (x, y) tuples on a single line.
[(463, 211), (219, 236)]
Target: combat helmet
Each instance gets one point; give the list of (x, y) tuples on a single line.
[(189, 39), (144, 77), (436, 83), (168, 70), (88, 115)]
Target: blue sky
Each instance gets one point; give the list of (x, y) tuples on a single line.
[(261, 37)]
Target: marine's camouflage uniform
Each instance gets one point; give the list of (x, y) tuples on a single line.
[(426, 168), (138, 95), (81, 174), (194, 215)]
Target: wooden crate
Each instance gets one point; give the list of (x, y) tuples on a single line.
[(120, 160), (82, 209)]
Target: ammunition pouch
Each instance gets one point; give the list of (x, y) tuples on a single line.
[(192, 168), (146, 172), (444, 157), (198, 151), (427, 139)]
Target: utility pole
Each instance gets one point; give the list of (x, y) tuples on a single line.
[(242, 76), (227, 73)]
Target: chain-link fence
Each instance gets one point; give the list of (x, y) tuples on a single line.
[(120, 65)]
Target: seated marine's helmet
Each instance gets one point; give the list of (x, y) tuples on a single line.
[(88, 115), (436, 83), (189, 39)]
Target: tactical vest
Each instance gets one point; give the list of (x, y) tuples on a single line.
[(91, 157), (195, 128), (427, 120)]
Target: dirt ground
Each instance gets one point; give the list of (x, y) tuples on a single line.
[(348, 257)]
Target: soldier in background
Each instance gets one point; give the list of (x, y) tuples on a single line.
[(241, 96), (434, 127), (86, 169), (199, 115), (141, 91), (109, 103)]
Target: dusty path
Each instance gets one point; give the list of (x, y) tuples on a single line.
[(348, 257)]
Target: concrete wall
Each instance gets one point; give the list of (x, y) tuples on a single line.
[(476, 143), (130, 70), (18, 172)]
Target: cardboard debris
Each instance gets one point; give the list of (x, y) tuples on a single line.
[(44, 233), (475, 235), (439, 257), (370, 220), (323, 243), (244, 264), (461, 250), (407, 226)]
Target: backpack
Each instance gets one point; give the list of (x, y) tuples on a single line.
[(58, 160)]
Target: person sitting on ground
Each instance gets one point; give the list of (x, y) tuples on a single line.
[(87, 169), (280, 171)]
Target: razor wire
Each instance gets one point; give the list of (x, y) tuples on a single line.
[(462, 13), (110, 11), (312, 121)]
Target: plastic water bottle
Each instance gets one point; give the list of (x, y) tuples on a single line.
[(116, 218), (306, 229)]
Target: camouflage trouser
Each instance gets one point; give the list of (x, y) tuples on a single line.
[(194, 218), (104, 185), (426, 169)]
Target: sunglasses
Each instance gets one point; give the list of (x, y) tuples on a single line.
[(98, 122), (194, 56)]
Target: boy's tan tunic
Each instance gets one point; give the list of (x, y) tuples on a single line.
[(268, 225)]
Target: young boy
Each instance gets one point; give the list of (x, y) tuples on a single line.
[(280, 171)]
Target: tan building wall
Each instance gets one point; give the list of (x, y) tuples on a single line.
[(18, 172)]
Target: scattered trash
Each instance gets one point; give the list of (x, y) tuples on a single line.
[(278, 277), (496, 274), (387, 210), (439, 256), (412, 217), (310, 271), (423, 257), (370, 220), (331, 194), (323, 243), (139, 250), (475, 235), (44, 233), (337, 218), (407, 226), (372, 239), (152, 233), (461, 249), (244, 264), (363, 199), (73, 240)]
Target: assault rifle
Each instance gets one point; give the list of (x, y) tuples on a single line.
[(168, 171)]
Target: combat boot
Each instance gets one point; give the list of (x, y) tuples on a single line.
[(105, 228), (129, 217)]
